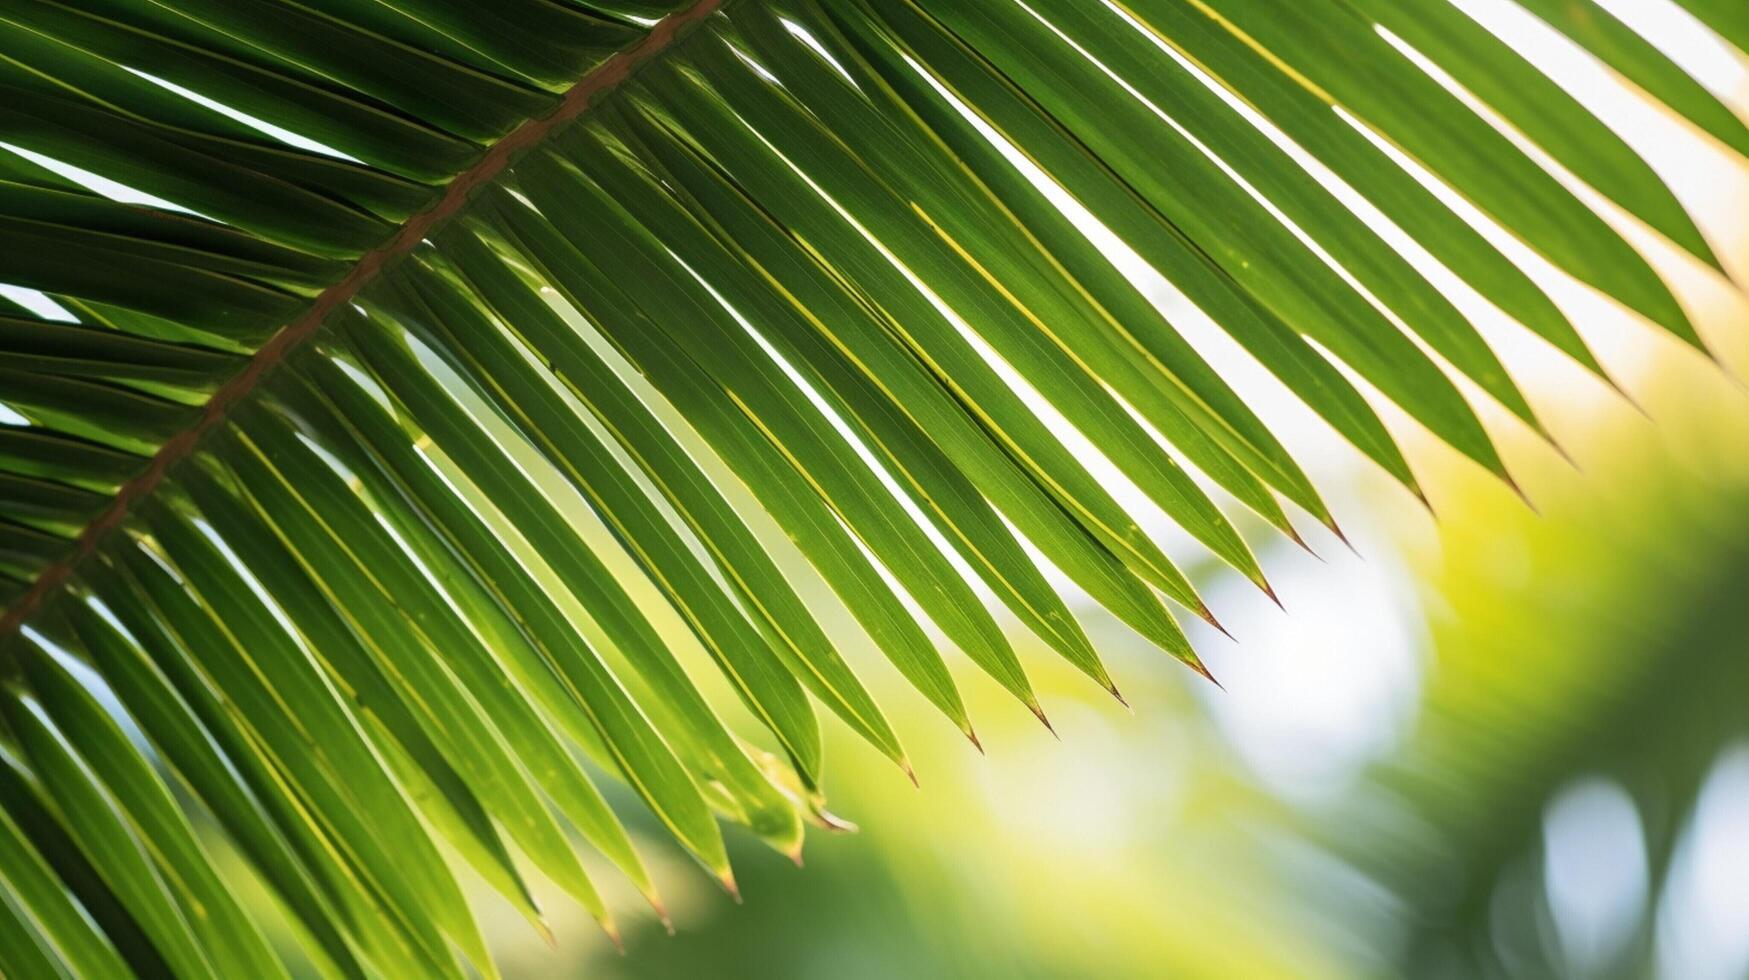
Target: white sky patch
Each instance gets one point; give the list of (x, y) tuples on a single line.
[(280, 133), (1594, 872), (8, 416), (1696, 169), (801, 34), (1686, 41), (152, 550), (1313, 697), (1703, 921), (94, 684), (97, 183), (243, 571), (38, 302), (1620, 339), (108, 615), (753, 63), (369, 384)]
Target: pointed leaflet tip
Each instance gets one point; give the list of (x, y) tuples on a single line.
[(661, 911), (546, 932), (1415, 488), (795, 854), (612, 930), (1112, 689), (1039, 713), (825, 819), (1202, 610), (1196, 664), (1270, 592), (1731, 375), (1293, 534), (910, 773), (1509, 481), (972, 736), (1629, 398), (1336, 529), (727, 878), (1616, 387), (1561, 451), (1536, 425), (1719, 362)]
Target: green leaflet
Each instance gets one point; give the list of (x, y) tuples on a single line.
[(274, 673), (1332, 50), (66, 458), (178, 734), (583, 573), (35, 816), (1636, 59), (97, 822), (106, 414), (568, 679), (66, 349), (36, 896), (1729, 19), (1540, 109), (23, 951), (231, 941), (1118, 206), (394, 142), (1221, 219), (48, 506), (757, 581), (1249, 75)]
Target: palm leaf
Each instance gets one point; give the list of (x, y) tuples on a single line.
[(409, 390)]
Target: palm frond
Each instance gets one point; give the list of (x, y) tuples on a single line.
[(392, 372)]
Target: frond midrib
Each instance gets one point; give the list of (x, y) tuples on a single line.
[(663, 37)]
